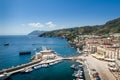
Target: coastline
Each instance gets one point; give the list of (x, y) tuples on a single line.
[(89, 62), (29, 42)]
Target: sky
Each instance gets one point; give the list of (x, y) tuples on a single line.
[(20, 17)]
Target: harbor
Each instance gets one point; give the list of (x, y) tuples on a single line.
[(86, 69), (48, 57)]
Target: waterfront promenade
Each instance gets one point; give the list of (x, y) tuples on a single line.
[(100, 66)]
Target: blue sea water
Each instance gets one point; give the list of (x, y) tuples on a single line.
[(9, 56)]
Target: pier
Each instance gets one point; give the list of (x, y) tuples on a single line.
[(32, 64)]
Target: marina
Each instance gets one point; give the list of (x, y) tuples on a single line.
[(28, 67), (12, 59), (78, 72), (38, 62), (46, 58)]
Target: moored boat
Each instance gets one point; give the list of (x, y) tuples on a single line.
[(76, 67), (78, 74), (3, 76), (26, 70), (24, 52), (78, 79), (44, 65), (39, 66)]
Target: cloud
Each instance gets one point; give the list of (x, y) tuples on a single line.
[(50, 24), (36, 25)]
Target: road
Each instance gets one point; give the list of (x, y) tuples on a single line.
[(100, 66)]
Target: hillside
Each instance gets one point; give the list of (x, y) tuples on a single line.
[(36, 32), (112, 26)]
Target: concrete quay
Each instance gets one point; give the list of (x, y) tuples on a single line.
[(100, 66)]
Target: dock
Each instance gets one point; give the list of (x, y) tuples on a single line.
[(32, 64)]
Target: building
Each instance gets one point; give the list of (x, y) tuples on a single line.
[(45, 54)]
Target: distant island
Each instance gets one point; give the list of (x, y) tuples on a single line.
[(36, 32)]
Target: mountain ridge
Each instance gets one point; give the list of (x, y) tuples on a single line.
[(112, 26)]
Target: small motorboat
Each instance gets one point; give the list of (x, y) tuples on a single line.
[(6, 44), (39, 66), (78, 79), (73, 66), (44, 65), (26, 70), (51, 63), (78, 74), (35, 49), (76, 67)]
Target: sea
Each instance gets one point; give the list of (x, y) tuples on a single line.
[(9, 56)]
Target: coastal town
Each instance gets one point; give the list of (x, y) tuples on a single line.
[(101, 54), (98, 54), (59, 40)]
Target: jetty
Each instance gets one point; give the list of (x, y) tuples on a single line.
[(19, 68), (46, 56)]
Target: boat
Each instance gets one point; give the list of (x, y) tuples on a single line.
[(39, 66), (78, 74), (6, 44), (3, 76), (35, 49), (51, 63), (73, 66), (26, 70), (44, 65), (24, 52), (80, 66), (78, 79), (56, 62), (76, 67)]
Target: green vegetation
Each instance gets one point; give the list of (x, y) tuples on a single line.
[(112, 26)]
